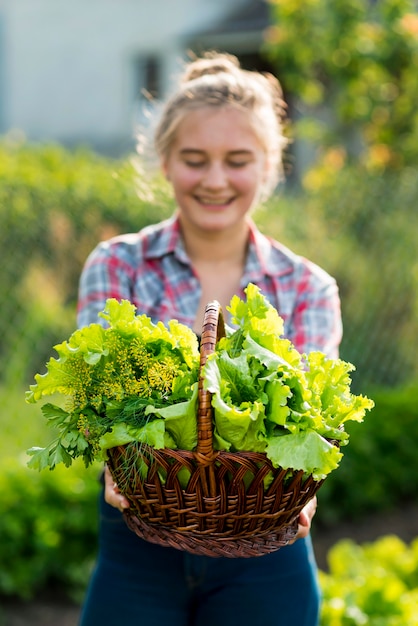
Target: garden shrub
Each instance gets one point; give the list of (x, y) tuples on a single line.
[(55, 206), (374, 584), (379, 470), (48, 529), (48, 520)]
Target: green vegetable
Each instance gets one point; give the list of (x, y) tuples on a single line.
[(136, 381), (132, 381), (268, 397)]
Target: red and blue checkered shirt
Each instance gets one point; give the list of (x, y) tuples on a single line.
[(152, 270)]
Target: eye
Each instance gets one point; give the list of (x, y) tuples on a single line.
[(238, 164), (195, 164)]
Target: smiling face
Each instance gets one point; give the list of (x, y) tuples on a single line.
[(217, 167)]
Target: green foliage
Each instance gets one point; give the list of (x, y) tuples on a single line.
[(48, 529), (121, 374), (372, 584), (379, 470), (359, 59), (362, 229), (268, 397), (48, 520), (55, 206)]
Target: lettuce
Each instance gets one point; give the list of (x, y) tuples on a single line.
[(152, 433), (179, 421), (268, 397)]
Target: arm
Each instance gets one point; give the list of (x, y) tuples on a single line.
[(106, 274)]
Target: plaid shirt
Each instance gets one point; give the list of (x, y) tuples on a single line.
[(152, 270)]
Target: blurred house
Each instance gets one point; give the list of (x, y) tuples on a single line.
[(75, 72)]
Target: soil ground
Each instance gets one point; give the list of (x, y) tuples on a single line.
[(53, 612)]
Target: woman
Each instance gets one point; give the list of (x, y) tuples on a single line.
[(220, 145)]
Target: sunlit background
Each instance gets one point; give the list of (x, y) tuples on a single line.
[(81, 83)]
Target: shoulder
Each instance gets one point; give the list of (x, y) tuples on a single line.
[(133, 248), (299, 265), (286, 265)]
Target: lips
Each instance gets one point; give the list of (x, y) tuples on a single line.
[(214, 201)]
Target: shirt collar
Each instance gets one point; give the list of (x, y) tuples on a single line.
[(265, 257), (167, 241)]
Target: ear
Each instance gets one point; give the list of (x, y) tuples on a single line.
[(267, 169), (164, 168)]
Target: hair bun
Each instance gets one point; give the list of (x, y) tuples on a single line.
[(211, 63)]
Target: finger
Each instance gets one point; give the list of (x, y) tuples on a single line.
[(118, 500), (112, 495)]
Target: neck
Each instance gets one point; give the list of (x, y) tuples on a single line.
[(216, 247)]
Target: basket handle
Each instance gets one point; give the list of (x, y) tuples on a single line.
[(213, 329)]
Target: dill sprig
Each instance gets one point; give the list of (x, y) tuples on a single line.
[(114, 380)]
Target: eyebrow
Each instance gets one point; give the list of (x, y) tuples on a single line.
[(187, 151)]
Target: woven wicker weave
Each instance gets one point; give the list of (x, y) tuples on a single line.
[(225, 509)]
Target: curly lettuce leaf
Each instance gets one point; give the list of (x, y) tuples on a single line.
[(89, 341), (330, 382), (121, 316), (278, 394), (266, 394), (243, 427), (238, 411), (306, 450), (185, 340), (255, 315)]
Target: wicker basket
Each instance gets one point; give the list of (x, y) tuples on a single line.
[(220, 512)]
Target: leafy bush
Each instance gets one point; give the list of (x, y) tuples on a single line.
[(55, 206), (372, 584), (357, 60), (48, 529), (48, 520), (379, 470)]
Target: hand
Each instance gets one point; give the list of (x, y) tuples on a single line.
[(305, 519), (112, 494)]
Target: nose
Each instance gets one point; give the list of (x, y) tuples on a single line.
[(215, 176)]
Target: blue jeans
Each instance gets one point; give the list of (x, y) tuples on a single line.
[(142, 584)]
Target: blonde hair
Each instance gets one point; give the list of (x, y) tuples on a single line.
[(217, 80)]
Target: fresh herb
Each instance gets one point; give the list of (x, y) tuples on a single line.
[(118, 382)]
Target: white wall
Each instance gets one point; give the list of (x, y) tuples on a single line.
[(69, 64)]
